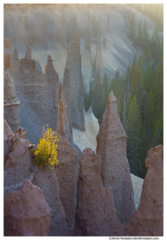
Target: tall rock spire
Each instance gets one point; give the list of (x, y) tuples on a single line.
[(115, 171), (8, 64), (148, 217), (52, 93), (28, 52), (11, 103), (99, 56), (63, 122), (16, 54), (73, 87)]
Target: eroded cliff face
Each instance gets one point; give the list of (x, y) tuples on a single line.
[(73, 87), (17, 160), (38, 93), (115, 171), (11, 103), (26, 212)]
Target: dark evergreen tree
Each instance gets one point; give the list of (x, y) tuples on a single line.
[(137, 83), (133, 131)]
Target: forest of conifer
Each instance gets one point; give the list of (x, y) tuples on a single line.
[(139, 91)]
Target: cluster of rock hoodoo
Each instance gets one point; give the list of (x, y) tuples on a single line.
[(83, 205), (89, 197)]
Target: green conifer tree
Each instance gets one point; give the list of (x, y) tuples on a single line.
[(133, 131), (137, 83)]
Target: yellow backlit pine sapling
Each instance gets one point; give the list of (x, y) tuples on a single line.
[(46, 152)]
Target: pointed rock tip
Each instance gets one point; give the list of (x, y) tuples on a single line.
[(50, 58), (151, 159), (28, 44), (111, 97), (74, 37), (89, 110), (156, 150)]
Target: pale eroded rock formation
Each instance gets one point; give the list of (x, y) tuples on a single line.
[(11, 103), (8, 64), (73, 84), (91, 126), (115, 170), (147, 220), (16, 54), (66, 172), (52, 92), (63, 121), (7, 130), (96, 214), (39, 95), (137, 183), (48, 183), (28, 52), (91, 195), (80, 139), (18, 162), (38, 66), (26, 212), (8, 140)]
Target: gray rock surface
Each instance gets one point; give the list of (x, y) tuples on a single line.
[(73, 87), (38, 66), (39, 95), (7, 130), (137, 189), (80, 139), (18, 163), (8, 63), (11, 103), (91, 127), (115, 170), (16, 54)]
